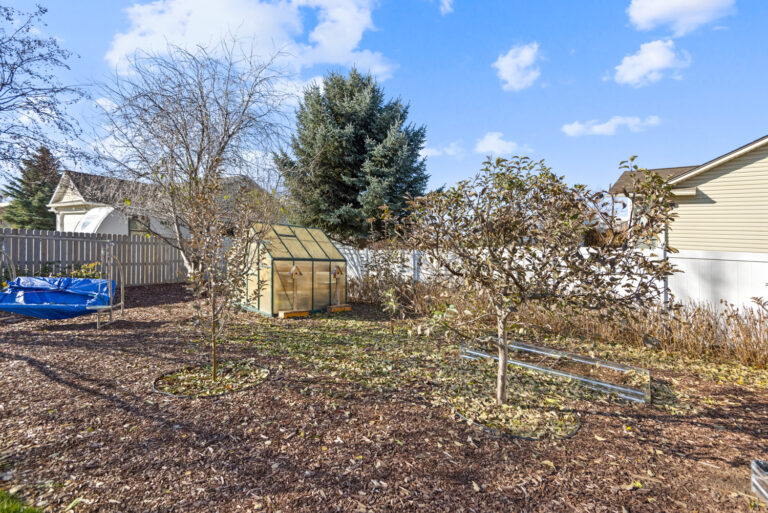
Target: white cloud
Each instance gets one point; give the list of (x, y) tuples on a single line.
[(649, 63), (493, 143), (683, 16), (454, 149), (105, 103), (270, 26), (633, 123), (516, 68), (446, 7)]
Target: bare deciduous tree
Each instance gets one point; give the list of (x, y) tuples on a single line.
[(179, 120), (188, 130), (515, 232), (33, 100)]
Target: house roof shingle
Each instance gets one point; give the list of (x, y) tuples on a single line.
[(105, 189), (108, 190), (628, 178)]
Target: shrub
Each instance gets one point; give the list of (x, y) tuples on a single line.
[(55, 269)]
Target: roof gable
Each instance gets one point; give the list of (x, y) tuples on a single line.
[(66, 191), (722, 159), (107, 190), (628, 179), (676, 175)]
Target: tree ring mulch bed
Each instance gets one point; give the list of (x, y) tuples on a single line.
[(194, 381)]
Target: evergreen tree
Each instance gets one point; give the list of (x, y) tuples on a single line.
[(353, 153), (31, 191)]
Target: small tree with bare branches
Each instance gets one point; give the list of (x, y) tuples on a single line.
[(33, 101), (189, 131), (515, 233)]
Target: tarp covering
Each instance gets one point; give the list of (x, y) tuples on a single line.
[(55, 298)]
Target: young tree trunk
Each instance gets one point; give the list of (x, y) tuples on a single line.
[(212, 300), (501, 377)]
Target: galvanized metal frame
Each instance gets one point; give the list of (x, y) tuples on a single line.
[(7, 262), (640, 394), (110, 263), (760, 479)]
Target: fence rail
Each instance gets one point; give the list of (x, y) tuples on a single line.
[(146, 260)]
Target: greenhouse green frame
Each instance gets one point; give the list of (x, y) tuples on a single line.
[(313, 253)]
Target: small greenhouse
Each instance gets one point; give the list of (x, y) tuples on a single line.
[(299, 270)]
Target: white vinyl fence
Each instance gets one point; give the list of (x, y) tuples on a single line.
[(359, 262), (145, 260), (709, 276), (706, 277)]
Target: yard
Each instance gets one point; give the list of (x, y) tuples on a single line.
[(353, 418)]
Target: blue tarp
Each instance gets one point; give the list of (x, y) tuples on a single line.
[(55, 298)]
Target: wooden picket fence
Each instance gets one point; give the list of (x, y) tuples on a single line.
[(145, 260)]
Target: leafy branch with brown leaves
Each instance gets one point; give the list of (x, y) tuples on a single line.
[(514, 234)]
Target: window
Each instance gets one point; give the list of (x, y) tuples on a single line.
[(138, 225)]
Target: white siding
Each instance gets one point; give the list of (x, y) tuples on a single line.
[(69, 221)]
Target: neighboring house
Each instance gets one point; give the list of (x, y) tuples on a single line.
[(721, 230), (82, 202)]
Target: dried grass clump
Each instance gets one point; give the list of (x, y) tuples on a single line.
[(388, 281), (728, 333)]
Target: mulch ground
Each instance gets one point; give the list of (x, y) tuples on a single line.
[(79, 419)]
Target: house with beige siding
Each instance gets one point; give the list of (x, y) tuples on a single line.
[(721, 230)]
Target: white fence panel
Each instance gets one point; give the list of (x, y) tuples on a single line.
[(706, 277), (360, 262), (709, 276), (145, 260)]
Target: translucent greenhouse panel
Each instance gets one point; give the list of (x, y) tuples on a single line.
[(252, 291), (339, 284), (312, 247), (283, 285), (304, 288), (295, 247), (282, 229), (322, 285), (265, 292), (274, 246), (326, 244), (331, 250)]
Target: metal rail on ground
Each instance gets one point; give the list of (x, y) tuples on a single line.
[(636, 394)]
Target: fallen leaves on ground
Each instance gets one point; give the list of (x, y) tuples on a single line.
[(197, 381)]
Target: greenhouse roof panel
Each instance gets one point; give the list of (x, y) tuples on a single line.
[(309, 243), (288, 242), (325, 243), (274, 245)]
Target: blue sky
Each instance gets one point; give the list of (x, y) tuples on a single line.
[(582, 84)]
